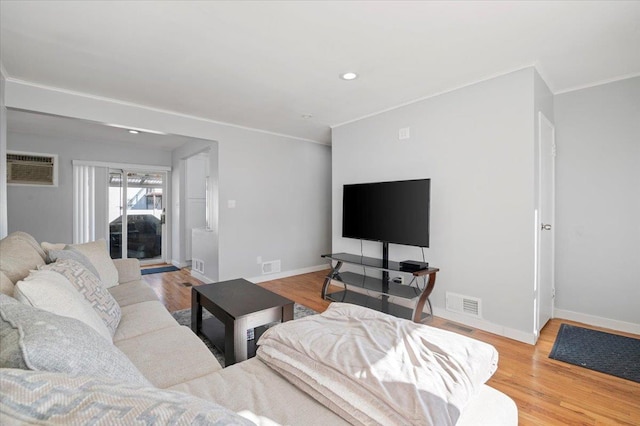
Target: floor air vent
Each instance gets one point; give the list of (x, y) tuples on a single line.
[(271, 267), (464, 304)]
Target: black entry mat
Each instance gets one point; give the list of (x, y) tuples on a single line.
[(599, 351), (158, 270)]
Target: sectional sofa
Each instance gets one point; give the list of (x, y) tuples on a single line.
[(137, 364)]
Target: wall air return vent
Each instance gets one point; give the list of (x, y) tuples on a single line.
[(464, 304), (27, 168)]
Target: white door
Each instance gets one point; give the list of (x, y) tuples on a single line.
[(545, 286)]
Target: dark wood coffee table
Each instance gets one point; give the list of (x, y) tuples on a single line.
[(237, 306)]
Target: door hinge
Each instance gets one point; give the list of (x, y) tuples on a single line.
[(553, 150)]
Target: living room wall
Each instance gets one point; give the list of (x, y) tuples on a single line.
[(476, 145), (281, 185), (598, 216), (47, 213), (3, 161)]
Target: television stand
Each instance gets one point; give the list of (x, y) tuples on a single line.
[(383, 288)]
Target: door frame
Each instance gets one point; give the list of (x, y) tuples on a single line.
[(543, 120), (138, 168)]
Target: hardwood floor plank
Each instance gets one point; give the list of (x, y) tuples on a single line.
[(547, 392)]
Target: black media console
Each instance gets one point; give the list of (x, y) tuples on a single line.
[(382, 287)]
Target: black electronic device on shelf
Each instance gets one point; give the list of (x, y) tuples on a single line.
[(413, 265)]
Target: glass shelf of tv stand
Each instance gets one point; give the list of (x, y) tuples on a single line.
[(384, 290)]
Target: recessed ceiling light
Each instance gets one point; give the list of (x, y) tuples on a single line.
[(307, 116), (133, 132), (349, 76)]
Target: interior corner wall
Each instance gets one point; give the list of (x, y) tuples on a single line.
[(476, 145), (179, 155), (598, 204), (4, 228), (281, 185)]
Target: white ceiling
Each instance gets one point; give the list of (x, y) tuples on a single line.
[(265, 64)]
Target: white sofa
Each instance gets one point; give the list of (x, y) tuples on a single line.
[(171, 357)]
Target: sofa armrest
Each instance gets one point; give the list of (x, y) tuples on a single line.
[(128, 270)]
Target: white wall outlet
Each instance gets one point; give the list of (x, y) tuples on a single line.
[(259, 260), (404, 133), (231, 204)]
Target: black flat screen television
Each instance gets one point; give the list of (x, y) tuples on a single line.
[(390, 212)]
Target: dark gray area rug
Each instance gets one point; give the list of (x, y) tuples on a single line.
[(599, 351), (184, 318)]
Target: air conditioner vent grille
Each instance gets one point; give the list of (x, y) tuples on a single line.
[(31, 169)]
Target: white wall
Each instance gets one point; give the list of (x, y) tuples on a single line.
[(598, 200), (476, 145), (47, 213), (281, 185), (3, 161)]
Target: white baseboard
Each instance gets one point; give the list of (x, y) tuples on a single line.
[(179, 264), (201, 277), (481, 324), (612, 324), (269, 277)]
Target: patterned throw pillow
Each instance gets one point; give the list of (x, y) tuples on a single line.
[(91, 288), (34, 397), (39, 340), (75, 255)]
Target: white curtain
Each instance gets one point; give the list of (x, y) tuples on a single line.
[(84, 203)]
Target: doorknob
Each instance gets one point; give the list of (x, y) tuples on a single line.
[(546, 227)]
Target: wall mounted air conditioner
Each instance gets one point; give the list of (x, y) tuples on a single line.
[(29, 168)]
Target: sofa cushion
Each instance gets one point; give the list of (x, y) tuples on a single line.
[(91, 288), (39, 340), (133, 292), (169, 356), (6, 286), (18, 256), (52, 292), (257, 392), (128, 270), (142, 318), (53, 398), (98, 254), (54, 255), (28, 238)]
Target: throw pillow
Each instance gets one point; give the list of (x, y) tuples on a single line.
[(91, 288), (75, 255), (47, 247), (98, 255), (50, 291), (35, 397), (39, 340)]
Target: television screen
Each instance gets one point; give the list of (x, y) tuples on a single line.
[(392, 212)]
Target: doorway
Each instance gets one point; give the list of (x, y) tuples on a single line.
[(136, 216), (545, 232)]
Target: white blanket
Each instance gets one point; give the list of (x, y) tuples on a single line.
[(373, 368)]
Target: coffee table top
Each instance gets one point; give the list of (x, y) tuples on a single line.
[(240, 297)]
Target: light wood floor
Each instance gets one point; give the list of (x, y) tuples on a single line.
[(547, 392)]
